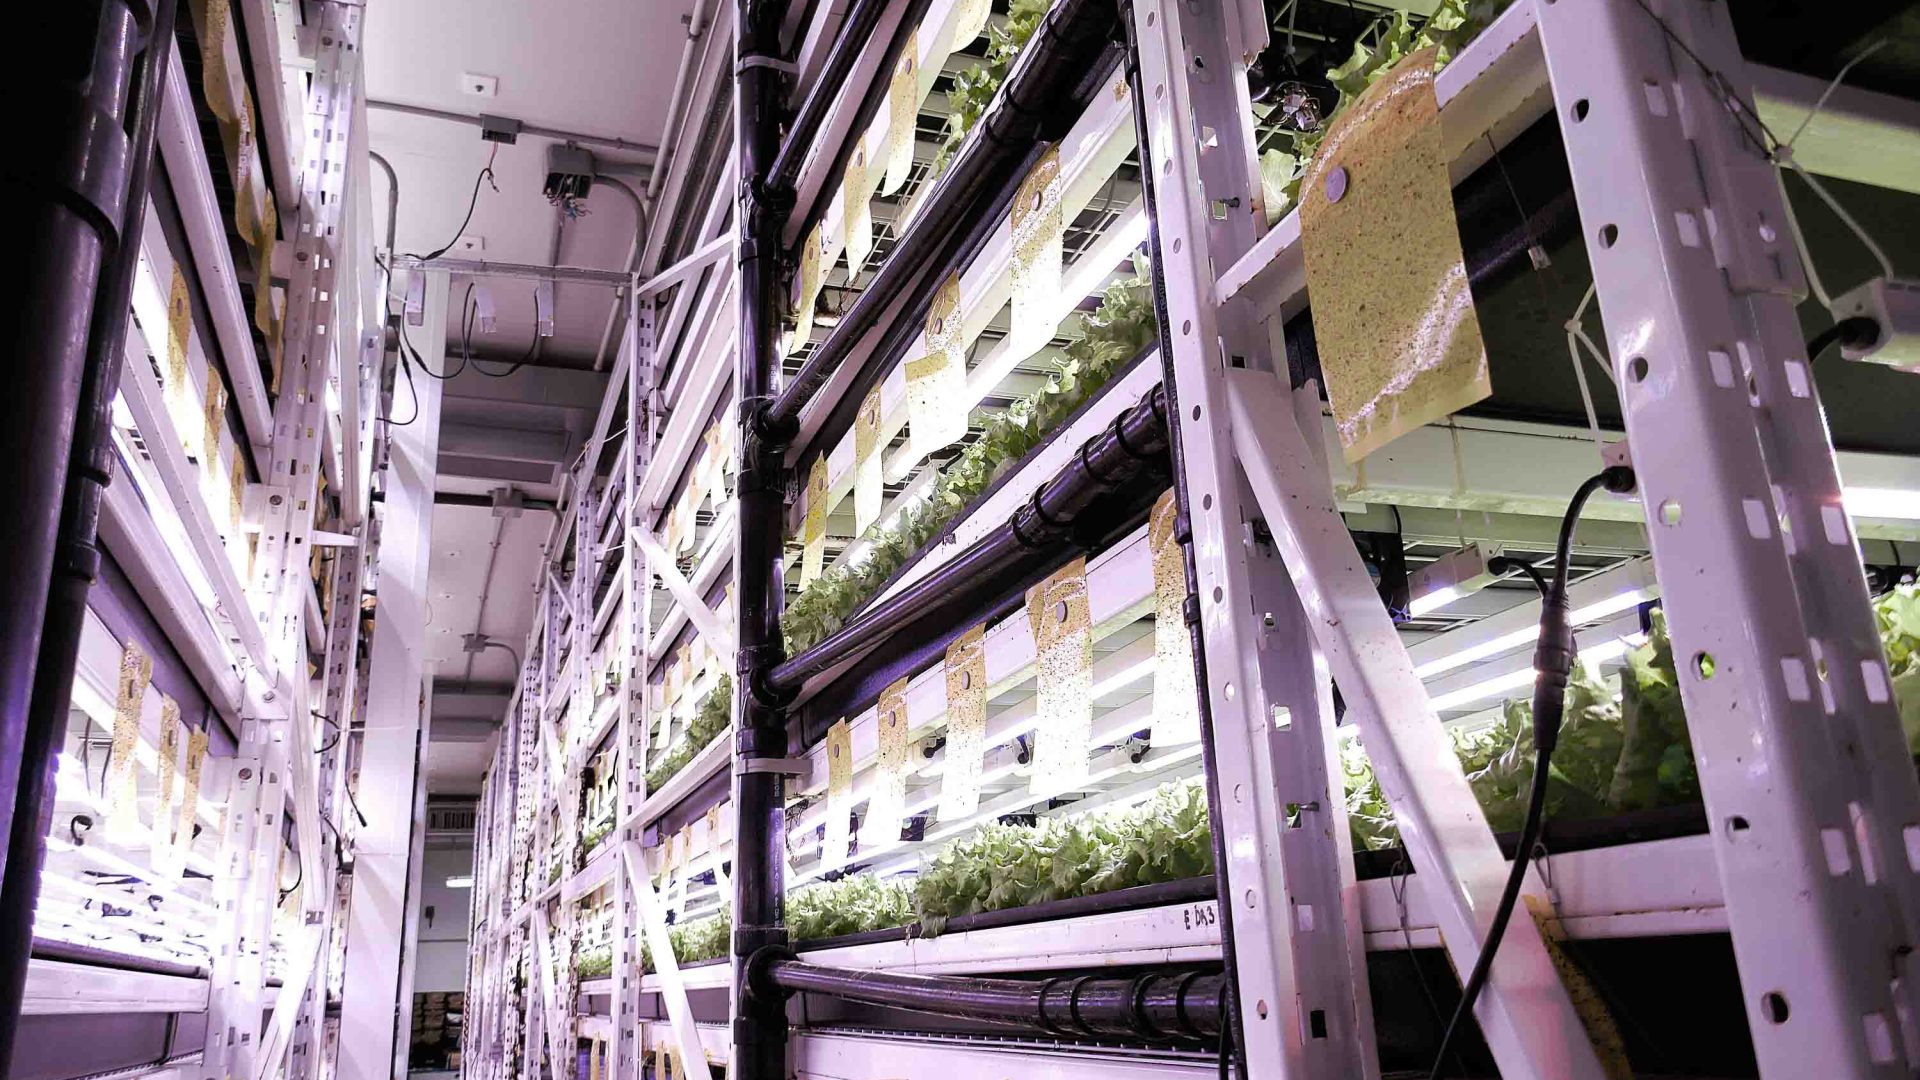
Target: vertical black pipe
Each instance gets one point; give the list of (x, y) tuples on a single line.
[(72, 181), (760, 1019), (1183, 530)]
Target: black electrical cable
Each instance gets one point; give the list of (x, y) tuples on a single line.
[(412, 391), (486, 173), (298, 880), (532, 347), (355, 803), (1506, 564), (336, 733), (466, 328), (1858, 332), (1552, 660)]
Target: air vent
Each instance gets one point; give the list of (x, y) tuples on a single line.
[(451, 818)]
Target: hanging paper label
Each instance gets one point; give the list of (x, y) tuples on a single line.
[(867, 483), (1399, 342), (856, 212), (123, 808), (937, 383), (969, 19), (833, 848), (215, 422), (903, 114), (888, 803), (1176, 703), (812, 266), (169, 765), (1037, 231), (179, 328), (1063, 675), (813, 532), (190, 796), (966, 674)]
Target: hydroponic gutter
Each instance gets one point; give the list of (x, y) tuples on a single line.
[(1035, 535)]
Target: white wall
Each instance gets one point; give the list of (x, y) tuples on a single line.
[(442, 960)]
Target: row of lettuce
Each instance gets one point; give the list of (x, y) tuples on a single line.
[(1623, 747)]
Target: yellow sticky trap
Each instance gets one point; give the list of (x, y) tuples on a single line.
[(966, 674), (811, 276), (813, 532), (1037, 230), (123, 808), (1399, 341), (236, 488), (867, 484), (937, 383), (833, 847), (969, 21), (190, 795), (1588, 1004), (215, 423), (179, 324), (888, 803), (1063, 676), (856, 215), (1176, 703), (169, 765), (903, 113)]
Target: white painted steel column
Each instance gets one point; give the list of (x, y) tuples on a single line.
[(635, 628), (1810, 793), (380, 923), (1193, 75), (1292, 909)]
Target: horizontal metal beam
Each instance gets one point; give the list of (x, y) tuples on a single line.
[(581, 275), (605, 142)]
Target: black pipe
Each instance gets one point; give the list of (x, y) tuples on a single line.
[(830, 87), (1157, 1007), (1043, 94), (1035, 534), (1183, 531), (67, 187), (759, 797)]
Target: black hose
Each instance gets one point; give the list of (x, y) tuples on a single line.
[(1858, 332), (1552, 660), (1156, 1007)]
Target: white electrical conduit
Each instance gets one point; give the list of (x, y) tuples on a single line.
[(621, 296)]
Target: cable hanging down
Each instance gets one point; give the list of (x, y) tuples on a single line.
[(1553, 662)]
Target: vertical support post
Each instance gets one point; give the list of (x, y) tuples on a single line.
[(1193, 58), (244, 882), (760, 1020), (1814, 808), (635, 633), (390, 779), (1288, 899)]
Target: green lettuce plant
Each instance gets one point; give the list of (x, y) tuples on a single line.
[(1116, 331), (1375, 54), (1617, 753), (594, 963), (851, 905), (1165, 838), (973, 90), (710, 719)]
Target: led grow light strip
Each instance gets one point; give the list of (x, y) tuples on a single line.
[(1510, 681), (1600, 596)]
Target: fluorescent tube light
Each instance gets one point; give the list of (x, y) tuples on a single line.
[(1500, 685), (460, 881), (1880, 502)]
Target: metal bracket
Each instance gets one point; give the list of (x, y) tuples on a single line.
[(784, 766)]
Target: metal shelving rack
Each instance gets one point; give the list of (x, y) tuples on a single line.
[(241, 513), (1279, 601)]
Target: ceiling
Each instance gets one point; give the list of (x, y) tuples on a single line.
[(603, 69)]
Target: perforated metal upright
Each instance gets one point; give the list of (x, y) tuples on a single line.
[(635, 636), (1810, 793), (1300, 959)]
